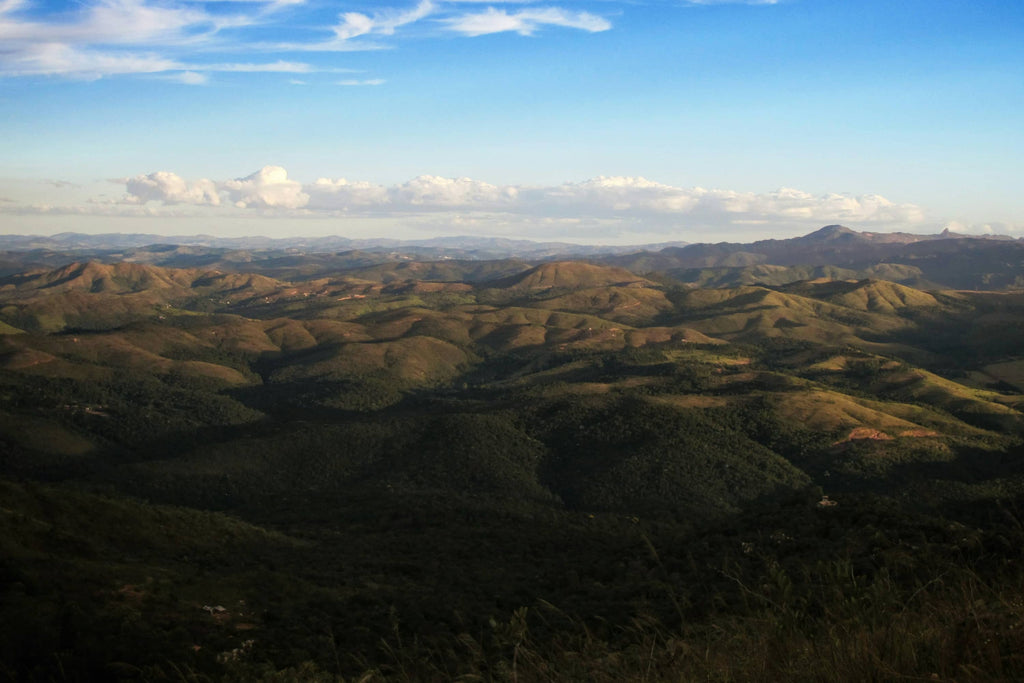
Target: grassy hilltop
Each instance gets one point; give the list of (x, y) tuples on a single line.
[(369, 467)]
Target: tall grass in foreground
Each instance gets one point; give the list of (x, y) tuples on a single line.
[(828, 623)]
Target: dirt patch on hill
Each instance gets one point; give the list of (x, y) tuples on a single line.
[(919, 433), (863, 433)]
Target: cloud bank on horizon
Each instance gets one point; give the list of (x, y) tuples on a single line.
[(612, 205), (603, 197)]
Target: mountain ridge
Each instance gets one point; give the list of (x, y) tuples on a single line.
[(944, 260)]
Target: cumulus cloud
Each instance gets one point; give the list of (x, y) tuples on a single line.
[(628, 196), (436, 192), (342, 195), (611, 198), (267, 188), (423, 193), (620, 194), (170, 188)]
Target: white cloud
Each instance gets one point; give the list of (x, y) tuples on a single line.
[(368, 81), (270, 3), (61, 59), (355, 24), (267, 188), (732, 2), (108, 22), (525, 22), (436, 192), (279, 66), (993, 228), (618, 194), (621, 209), (100, 38), (136, 21), (342, 195), (658, 206), (113, 37), (190, 78), (47, 59), (170, 188), (8, 6), (423, 193), (626, 196)]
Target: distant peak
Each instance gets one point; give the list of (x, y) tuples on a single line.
[(832, 231)]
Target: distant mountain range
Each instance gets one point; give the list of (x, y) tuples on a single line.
[(945, 260), (483, 247), (831, 245), (451, 247)]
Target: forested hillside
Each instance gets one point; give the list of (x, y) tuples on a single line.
[(508, 469)]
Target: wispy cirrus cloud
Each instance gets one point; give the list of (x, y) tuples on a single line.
[(117, 37), (279, 66), (525, 22), (384, 22), (187, 78), (101, 38), (54, 59), (59, 59), (732, 2), (108, 22), (202, 77)]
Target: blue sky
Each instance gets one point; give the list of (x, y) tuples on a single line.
[(600, 121)]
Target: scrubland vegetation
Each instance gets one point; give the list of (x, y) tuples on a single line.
[(469, 470)]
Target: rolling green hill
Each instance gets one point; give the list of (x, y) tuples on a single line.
[(420, 471)]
